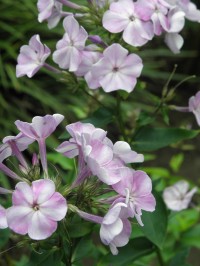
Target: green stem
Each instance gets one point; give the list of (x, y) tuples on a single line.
[(94, 98), (119, 117), (159, 257)]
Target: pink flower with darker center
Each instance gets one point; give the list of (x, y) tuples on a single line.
[(32, 57), (68, 52), (136, 190), (36, 209), (123, 16), (117, 70)]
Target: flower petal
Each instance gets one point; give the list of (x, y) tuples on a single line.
[(41, 227)]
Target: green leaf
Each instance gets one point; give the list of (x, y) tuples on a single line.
[(44, 258), (155, 223), (75, 230), (149, 139), (135, 249), (182, 221), (4, 237), (176, 161), (57, 158), (192, 236), (180, 258), (100, 117), (144, 119), (84, 249)]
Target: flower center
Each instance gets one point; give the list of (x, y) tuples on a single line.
[(36, 207), (115, 69), (132, 18)]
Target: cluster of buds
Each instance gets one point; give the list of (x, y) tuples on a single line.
[(111, 67), (37, 206)]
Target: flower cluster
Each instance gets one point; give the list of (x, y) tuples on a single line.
[(37, 206), (141, 20), (98, 156), (111, 67)]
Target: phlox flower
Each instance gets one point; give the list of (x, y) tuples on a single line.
[(40, 129), (135, 187), (123, 16), (32, 57), (68, 54), (189, 8), (89, 58), (72, 147), (116, 70), (100, 160), (156, 11), (5, 152), (49, 10), (36, 209), (115, 228), (194, 106), (97, 154), (122, 151), (18, 144), (178, 196), (176, 22), (3, 219)]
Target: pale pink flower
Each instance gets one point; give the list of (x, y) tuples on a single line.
[(72, 147), (5, 152), (189, 8), (49, 10), (3, 219), (176, 23), (178, 196), (122, 151), (100, 160), (136, 189), (18, 144), (123, 16), (36, 209), (40, 129), (32, 57), (115, 228), (89, 58), (116, 70), (194, 106), (68, 54), (156, 11)]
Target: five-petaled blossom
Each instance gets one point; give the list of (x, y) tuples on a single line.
[(68, 52), (32, 57), (135, 189), (124, 16), (36, 209), (40, 129), (117, 70), (178, 196)]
